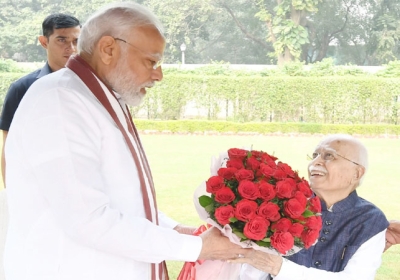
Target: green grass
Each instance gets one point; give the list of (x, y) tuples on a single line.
[(181, 162)]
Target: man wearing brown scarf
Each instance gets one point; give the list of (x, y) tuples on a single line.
[(81, 197)]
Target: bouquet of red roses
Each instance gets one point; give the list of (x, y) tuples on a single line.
[(259, 202), (263, 201)]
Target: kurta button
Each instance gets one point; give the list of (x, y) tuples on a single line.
[(328, 223), (326, 231), (322, 239), (318, 263)]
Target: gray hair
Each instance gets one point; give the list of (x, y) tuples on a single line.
[(362, 153), (115, 20)]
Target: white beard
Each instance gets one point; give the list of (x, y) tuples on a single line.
[(123, 81)]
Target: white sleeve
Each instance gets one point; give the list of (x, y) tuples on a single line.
[(363, 265), (166, 221)]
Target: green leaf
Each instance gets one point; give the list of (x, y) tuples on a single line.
[(233, 219), (205, 200), (308, 213), (263, 244), (209, 208), (240, 234)]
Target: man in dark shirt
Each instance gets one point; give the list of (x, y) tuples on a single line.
[(60, 37)]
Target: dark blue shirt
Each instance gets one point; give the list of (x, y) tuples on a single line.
[(15, 94)]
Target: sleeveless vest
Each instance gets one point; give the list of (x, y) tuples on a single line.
[(345, 228)]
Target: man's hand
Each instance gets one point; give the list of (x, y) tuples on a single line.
[(262, 261), (392, 234), (218, 247), (182, 229)]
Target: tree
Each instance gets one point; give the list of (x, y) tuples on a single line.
[(362, 32), (20, 24)]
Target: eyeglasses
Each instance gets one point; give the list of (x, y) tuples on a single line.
[(155, 64), (329, 156)]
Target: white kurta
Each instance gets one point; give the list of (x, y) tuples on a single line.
[(75, 205)]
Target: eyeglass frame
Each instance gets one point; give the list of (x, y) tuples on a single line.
[(157, 63), (333, 153)]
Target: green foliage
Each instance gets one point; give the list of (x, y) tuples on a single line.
[(391, 70), (9, 65), (289, 95), (295, 68)]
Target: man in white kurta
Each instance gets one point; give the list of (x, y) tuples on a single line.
[(76, 207)]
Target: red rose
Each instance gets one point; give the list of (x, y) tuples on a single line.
[(224, 213), (301, 198), (296, 229), (214, 184), (268, 210), (235, 163), (266, 170), (309, 237), (256, 229), (265, 157), (279, 174), (304, 187), (282, 241), (244, 174), (245, 210), (224, 195), (267, 191), (314, 222), (227, 173), (237, 153), (247, 189), (293, 208), (282, 225), (252, 163), (287, 169), (275, 218), (256, 154), (315, 204), (285, 188)]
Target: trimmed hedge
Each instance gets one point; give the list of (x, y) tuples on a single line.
[(363, 99), (203, 126), (332, 99)]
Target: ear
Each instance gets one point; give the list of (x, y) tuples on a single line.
[(43, 41), (108, 50), (359, 172)]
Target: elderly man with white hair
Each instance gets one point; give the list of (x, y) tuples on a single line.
[(80, 192), (352, 238)]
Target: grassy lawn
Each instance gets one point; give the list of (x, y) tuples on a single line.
[(181, 162)]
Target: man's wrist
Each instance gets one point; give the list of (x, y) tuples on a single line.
[(276, 268)]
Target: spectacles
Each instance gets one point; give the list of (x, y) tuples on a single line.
[(329, 156), (155, 64)]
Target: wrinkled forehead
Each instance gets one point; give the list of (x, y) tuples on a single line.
[(338, 145)]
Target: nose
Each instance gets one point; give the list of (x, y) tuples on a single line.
[(318, 160), (157, 74), (71, 47), (74, 47)]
